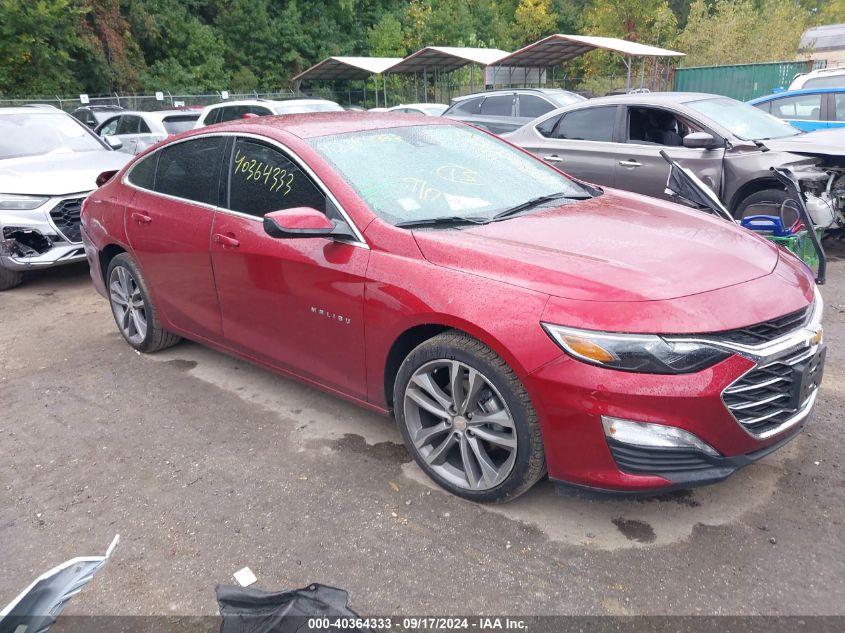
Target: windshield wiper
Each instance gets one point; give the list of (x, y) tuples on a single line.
[(533, 202), (449, 219)]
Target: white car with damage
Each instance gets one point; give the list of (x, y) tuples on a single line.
[(49, 163)]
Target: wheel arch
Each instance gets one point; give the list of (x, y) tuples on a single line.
[(751, 187), (106, 254), (416, 334)]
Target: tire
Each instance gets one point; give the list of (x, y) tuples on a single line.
[(10, 278), (139, 326), (766, 202), (493, 423)]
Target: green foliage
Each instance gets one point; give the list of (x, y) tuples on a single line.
[(742, 31), (98, 46)]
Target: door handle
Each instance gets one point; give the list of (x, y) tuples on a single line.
[(226, 241), (554, 158), (141, 218), (630, 163)]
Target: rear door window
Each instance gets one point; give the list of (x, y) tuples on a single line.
[(588, 124), (190, 169), (263, 179), (803, 107), (498, 105)]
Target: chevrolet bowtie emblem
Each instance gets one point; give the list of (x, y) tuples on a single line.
[(817, 336)]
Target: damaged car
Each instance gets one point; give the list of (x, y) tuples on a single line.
[(49, 162), (731, 146)]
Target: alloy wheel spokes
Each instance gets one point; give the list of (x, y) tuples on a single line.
[(128, 304), (460, 424)]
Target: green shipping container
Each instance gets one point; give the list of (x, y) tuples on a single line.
[(740, 81)]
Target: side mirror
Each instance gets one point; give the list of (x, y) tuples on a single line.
[(699, 140), (113, 142), (298, 222)]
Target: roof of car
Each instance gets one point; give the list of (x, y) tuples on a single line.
[(488, 93), (314, 124), (159, 114), (653, 97), (794, 93), (269, 102), (29, 109)]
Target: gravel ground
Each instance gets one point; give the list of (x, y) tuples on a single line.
[(205, 464)]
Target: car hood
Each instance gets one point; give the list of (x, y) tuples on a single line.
[(57, 174), (829, 142), (615, 247)]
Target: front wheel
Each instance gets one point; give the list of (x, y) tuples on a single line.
[(768, 202), (467, 420)]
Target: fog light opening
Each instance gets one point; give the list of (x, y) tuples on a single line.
[(653, 435)]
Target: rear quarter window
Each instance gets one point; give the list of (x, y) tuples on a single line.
[(143, 173)]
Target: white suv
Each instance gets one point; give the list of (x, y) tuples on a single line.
[(231, 110), (49, 162), (822, 78)]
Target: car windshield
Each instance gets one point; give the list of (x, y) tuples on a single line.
[(180, 123), (565, 98), (744, 121), (35, 133), (424, 173), (297, 108)]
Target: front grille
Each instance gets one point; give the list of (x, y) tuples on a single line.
[(768, 396), (653, 460), (65, 216), (766, 331)]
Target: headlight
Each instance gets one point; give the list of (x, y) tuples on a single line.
[(12, 202), (644, 353)]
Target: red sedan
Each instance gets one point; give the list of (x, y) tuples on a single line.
[(516, 322)]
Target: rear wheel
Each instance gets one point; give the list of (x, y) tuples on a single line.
[(10, 278), (467, 420), (132, 309)]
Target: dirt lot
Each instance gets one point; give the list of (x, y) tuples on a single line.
[(205, 464)]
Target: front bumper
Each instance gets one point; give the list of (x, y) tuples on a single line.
[(571, 398), (43, 237)]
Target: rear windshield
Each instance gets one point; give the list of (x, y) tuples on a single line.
[(179, 123)]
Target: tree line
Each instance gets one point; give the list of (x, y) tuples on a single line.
[(101, 46)]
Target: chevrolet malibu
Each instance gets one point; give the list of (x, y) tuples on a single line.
[(516, 322)]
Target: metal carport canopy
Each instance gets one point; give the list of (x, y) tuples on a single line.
[(333, 68), (556, 49), (447, 58)]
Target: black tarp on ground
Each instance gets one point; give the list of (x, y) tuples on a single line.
[(246, 610)]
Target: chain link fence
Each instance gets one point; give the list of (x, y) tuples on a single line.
[(144, 102), (392, 90)]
